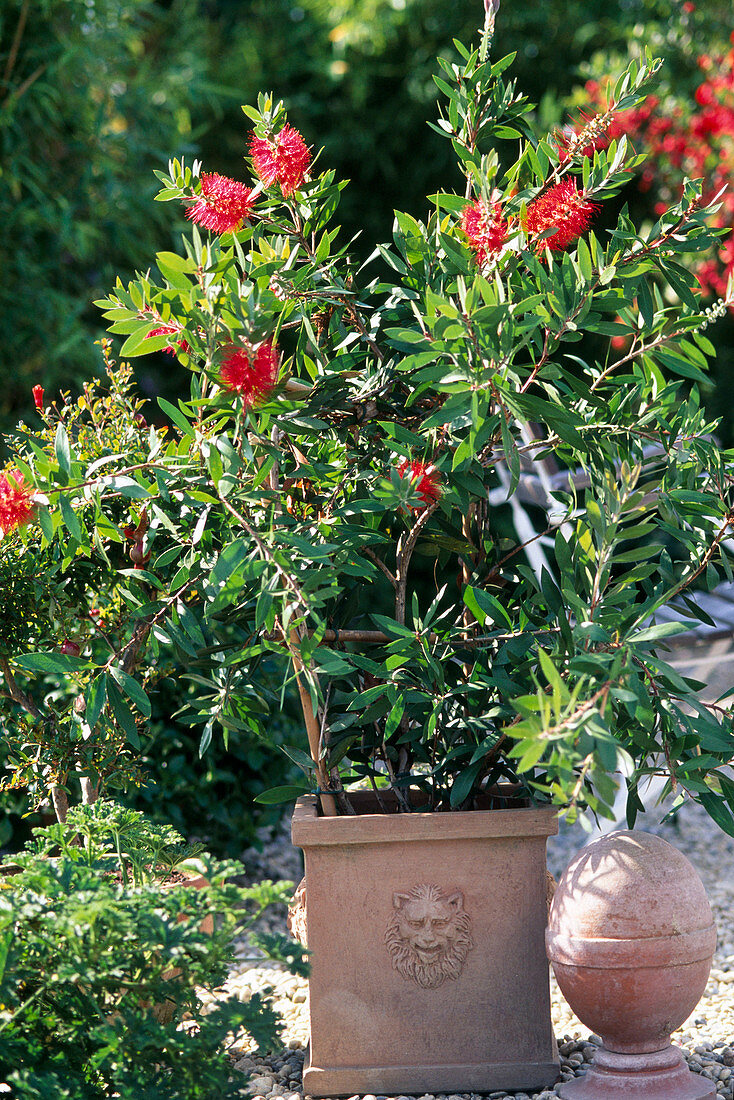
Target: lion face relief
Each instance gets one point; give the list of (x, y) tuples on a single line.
[(429, 935)]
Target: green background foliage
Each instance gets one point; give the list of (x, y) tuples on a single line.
[(95, 96)]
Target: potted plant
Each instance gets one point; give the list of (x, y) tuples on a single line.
[(322, 499)]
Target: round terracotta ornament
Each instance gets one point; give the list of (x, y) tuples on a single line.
[(631, 938)]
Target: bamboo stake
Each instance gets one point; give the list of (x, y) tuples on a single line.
[(328, 802), (377, 637)]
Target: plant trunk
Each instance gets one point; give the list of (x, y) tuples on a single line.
[(90, 790), (61, 803)]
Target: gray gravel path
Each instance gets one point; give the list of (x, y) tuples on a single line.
[(707, 1038)]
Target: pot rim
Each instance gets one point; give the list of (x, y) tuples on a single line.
[(310, 828)]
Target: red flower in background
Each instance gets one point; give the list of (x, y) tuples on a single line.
[(426, 479), (223, 204), (688, 139), (37, 392), (563, 208), (281, 159), (252, 376), (485, 227), (16, 506), (170, 330)]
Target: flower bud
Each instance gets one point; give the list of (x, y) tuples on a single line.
[(136, 553)]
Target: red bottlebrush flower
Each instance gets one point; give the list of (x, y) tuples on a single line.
[(16, 505), (37, 392), (170, 330), (281, 159), (485, 227), (72, 649), (563, 208), (252, 376), (223, 204), (425, 477)]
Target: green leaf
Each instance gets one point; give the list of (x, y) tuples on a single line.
[(232, 556), (95, 696), (46, 523), (176, 416), (206, 737), (717, 809), (455, 252), (485, 606), (660, 630), (453, 203), (128, 487), (173, 268), (332, 663), (123, 714), (462, 785), (6, 938), (679, 365), (132, 689), (276, 795), (529, 753), (62, 449), (51, 662), (71, 521), (391, 628), (586, 267), (139, 343), (299, 757)]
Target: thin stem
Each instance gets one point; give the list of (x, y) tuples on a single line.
[(516, 550), (104, 477), (686, 581), (17, 38), (405, 552), (381, 565), (267, 554)]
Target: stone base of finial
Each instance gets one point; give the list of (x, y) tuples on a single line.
[(662, 1075)]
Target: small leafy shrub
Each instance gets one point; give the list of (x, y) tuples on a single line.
[(85, 958), (69, 605)]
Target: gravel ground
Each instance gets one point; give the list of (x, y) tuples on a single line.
[(707, 1037)]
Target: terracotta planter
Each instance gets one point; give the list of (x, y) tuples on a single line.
[(428, 969), (631, 938)]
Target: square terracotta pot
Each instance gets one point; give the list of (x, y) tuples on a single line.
[(428, 966)]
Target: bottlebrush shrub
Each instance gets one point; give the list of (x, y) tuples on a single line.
[(337, 515), (86, 958), (689, 139)]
